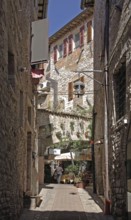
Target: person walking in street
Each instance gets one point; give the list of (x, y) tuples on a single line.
[(58, 172)]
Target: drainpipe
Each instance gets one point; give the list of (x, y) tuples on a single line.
[(93, 152), (106, 113)]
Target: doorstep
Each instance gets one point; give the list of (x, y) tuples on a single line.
[(31, 202)]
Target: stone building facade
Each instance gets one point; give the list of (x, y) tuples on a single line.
[(69, 49), (115, 42), (18, 168)]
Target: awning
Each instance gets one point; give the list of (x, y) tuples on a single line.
[(39, 44), (65, 156), (37, 73)]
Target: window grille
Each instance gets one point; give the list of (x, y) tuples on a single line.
[(120, 91)]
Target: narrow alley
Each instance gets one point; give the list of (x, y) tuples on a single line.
[(65, 201), (65, 110)]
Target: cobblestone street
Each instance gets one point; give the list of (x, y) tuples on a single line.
[(62, 202)]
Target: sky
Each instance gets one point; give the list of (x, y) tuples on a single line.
[(60, 12)]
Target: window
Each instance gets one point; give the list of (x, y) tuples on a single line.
[(82, 79), (82, 36), (70, 91), (11, 64), (120, 91), (11, 69), (65, 48), (21, 109), (55, 54), (89, 31), (77, 39), (70, 88), (60, 51), (35, 3), (29, 115), (70, 44)]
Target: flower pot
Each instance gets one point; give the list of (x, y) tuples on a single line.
[(81, 185)]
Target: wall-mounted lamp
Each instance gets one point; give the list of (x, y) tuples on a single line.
[(125, 120), (79, 88), (34, 155), (79, 85)]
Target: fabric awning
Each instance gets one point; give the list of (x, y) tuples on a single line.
[(37, 73), (65, 156), (39, 44)]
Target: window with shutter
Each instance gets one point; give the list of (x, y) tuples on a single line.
[(77, 40), (89, 31), (82, 79), (70, 91), (70, 44), (55, 54), (65, 48), (60, 51), (81, 36)]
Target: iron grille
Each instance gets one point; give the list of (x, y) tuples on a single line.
[(120, 91)]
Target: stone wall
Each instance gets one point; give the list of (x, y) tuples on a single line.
[(99, 20), (120, 50), (55, 128), (15, 98), (61, 73)]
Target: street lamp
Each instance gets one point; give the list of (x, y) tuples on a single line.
[(79, 88)]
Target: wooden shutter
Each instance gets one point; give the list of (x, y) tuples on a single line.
[(55, 54), (70, 44), (82, 79), (81, 36), (70, 91), (89, 31), (65, 48)]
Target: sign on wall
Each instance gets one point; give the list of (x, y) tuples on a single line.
[(54, 151)]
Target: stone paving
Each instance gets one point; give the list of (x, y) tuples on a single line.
[(64, 201)]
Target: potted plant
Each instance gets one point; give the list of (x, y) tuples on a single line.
[(79, 183)]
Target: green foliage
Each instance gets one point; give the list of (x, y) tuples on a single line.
[(72, 168), (72, 125), (78, 145)]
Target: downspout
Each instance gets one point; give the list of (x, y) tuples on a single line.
[(106, 112), (93, 151)]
